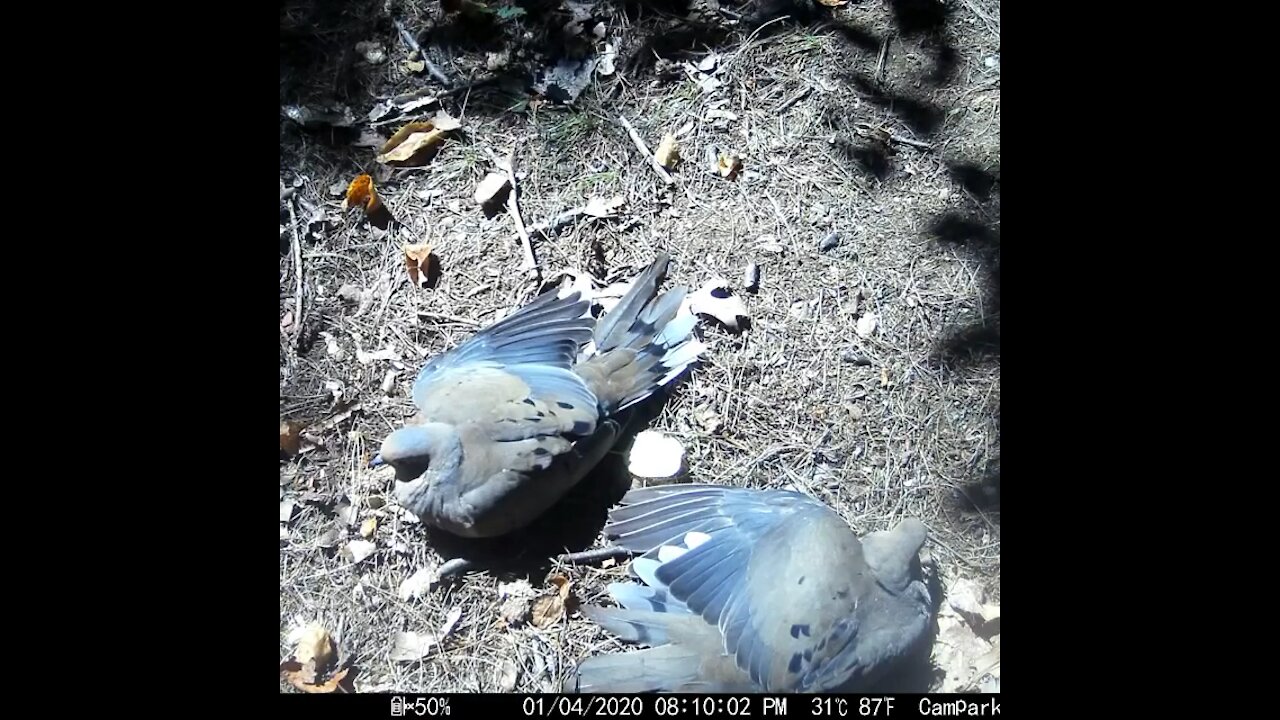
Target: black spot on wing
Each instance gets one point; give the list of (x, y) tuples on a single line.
[(541, 451), (565, 405), (794, 666), (580, 427), (801, 580), (798, 630)]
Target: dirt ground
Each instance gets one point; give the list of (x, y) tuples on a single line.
[(875, 121)]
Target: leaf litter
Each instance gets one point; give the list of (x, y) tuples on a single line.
[(413, 646), (313, 659)]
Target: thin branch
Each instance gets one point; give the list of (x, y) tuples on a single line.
[(644, 150), (434, 71), (589, 556), (513, 208)]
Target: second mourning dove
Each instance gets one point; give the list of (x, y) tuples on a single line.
[(755, 591), (511, 419)]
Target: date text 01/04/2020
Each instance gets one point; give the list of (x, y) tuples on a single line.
[(639, 706), (704, 706)]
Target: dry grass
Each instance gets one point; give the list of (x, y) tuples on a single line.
[(903, 422)]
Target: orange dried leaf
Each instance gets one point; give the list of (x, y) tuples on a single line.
[(550, 607), (362, 192), (294, 672), (417, 260)]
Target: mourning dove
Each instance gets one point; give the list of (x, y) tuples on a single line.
[(513, 418), (755, 591)]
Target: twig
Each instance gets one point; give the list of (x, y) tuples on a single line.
[(297, 266), (447, 318), (434, 71), (589, 556), (644, 150), (865, 129), (513, 208), (794, 99)]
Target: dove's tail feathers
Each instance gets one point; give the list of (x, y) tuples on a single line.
[(643, 343), (659, 669), (684, 656)]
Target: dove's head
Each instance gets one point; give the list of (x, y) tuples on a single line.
[(408, 450)]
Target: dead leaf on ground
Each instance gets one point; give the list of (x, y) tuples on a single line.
[(415, 66), (515, 597), (604, 207), (312, 656), (358, 550), (834, 3), (286, 510), (717, 300), (667, 154), (361, 192), (507, 675), (417, 142), (729, 165), (291, 671), (549, 608), (411, 646), (290, 437), (419, 583), (866, 325), (368, 527), (417, 261)]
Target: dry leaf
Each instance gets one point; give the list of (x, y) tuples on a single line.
[(312, 655), (358, 550), (329, 538), (507, 675), (290, 437), (368, 527), (884, 377), (728, 165), (362, 192), (419, 583), (293, 672), (417, 260), (655, 456), (866, 325), (709, 419), (834, 3), (286, 510), (549, 608), (667, 154), (602, 208), (715, 299), (492, 189), (411, 646), (415, 66), (515, 597), (417, 141)]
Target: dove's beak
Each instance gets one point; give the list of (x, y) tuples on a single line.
[(377, 461)]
